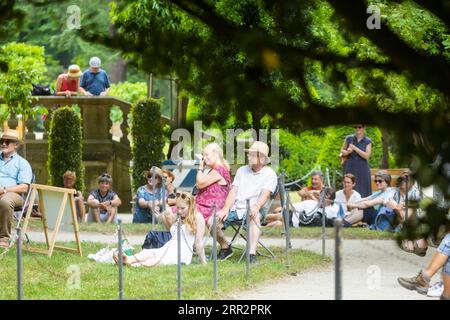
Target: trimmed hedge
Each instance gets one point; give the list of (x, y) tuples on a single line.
[(147, 139), (65, 147)]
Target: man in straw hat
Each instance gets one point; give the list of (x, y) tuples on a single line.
[(95, 81), (256, 182), (68, 84), (15, 178)]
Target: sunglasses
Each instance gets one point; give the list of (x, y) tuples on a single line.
[(358, 127), (379, 181), (183, 195), (105, 175), (7, 142)]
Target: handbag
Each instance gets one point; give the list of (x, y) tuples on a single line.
[(156, 239), (41, 90)]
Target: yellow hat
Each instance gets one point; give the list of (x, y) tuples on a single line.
[(74, 71)]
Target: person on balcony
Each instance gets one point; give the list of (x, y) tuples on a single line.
[(68, 83), (15, 178), (95, 81)]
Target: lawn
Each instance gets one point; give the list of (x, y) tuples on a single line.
[(303, 233), (47, 278)]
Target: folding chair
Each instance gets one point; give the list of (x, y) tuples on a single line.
[(239, 226)]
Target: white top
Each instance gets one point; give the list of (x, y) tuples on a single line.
[(168, 254), (310, 207), (341, 199), (250, 185)]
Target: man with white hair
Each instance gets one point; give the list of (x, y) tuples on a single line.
[(256, 182), (15, 178), (95, 81)]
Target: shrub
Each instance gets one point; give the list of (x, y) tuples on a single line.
[(147, 139), (65, 147)]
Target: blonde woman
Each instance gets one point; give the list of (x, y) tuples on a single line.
[(167, 254)]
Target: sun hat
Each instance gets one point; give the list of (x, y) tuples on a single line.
[(74, 71), (95, 62), (261, 147), (12, 135)]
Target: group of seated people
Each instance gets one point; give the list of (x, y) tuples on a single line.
[(348, 204)]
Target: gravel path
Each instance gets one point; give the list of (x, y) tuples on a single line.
[(370, 270)]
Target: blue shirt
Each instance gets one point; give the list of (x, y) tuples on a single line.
[(389, 194), (109, 196), (14, 171), (94, 83)]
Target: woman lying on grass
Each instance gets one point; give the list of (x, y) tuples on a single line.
[(168, 253)]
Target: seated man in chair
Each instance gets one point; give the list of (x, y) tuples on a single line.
[(15, 178), (255, 182)]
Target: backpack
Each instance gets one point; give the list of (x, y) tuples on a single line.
[(385, 220), (41, 90), (156, 239)]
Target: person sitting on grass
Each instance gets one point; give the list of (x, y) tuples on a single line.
[(313, 192), (440, 259), (69, 181), (103, 202), (148, 199), (374, 203), (168, 254), (171, 191), (349, 195)]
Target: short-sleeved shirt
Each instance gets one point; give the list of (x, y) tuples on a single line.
[(14, 171), (250, 185), (108, 197), (94, 83), (341, 199)]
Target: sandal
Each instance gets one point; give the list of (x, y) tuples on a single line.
[(421, 252)]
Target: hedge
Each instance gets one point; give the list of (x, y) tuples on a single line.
[(65, 147), (147, 139)]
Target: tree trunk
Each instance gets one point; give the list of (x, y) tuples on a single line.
[(119, 72), (384, 148)]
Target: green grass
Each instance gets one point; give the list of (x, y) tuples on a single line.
[(303, 233), (46, 278)]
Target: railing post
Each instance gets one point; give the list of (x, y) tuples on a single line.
[(154, 197), (285, 213), (19, 263), (338, 259), (247, 246), (322, 205), (119, 231), (179, 255), (214, 248)]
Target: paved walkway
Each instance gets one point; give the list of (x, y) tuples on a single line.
[(370, 270)]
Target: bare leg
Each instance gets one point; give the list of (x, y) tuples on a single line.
[(255, 233), (81, 210), (446, 278), (436, 263), (221, 236), (275, 224), (273, 217), (112, 211), (96, 214), (141, 257), (199, 236)]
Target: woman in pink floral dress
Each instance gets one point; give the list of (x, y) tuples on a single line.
[(213, 185)]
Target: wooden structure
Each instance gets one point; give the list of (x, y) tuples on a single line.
[(57, 206), (106, 145)]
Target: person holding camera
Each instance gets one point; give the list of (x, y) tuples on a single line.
[(149, 200)]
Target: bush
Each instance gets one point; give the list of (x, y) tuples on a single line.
[(147, 139), (65, 147)]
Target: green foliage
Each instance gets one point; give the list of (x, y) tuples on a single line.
[(131, 92), (26, 65), (65, 147), (147, 139)]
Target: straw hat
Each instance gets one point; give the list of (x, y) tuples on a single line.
[(261, 147), (10, 135), (74, 71)]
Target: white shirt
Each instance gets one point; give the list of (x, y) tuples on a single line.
[(341, 199), (250, 185), (311, 206)]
